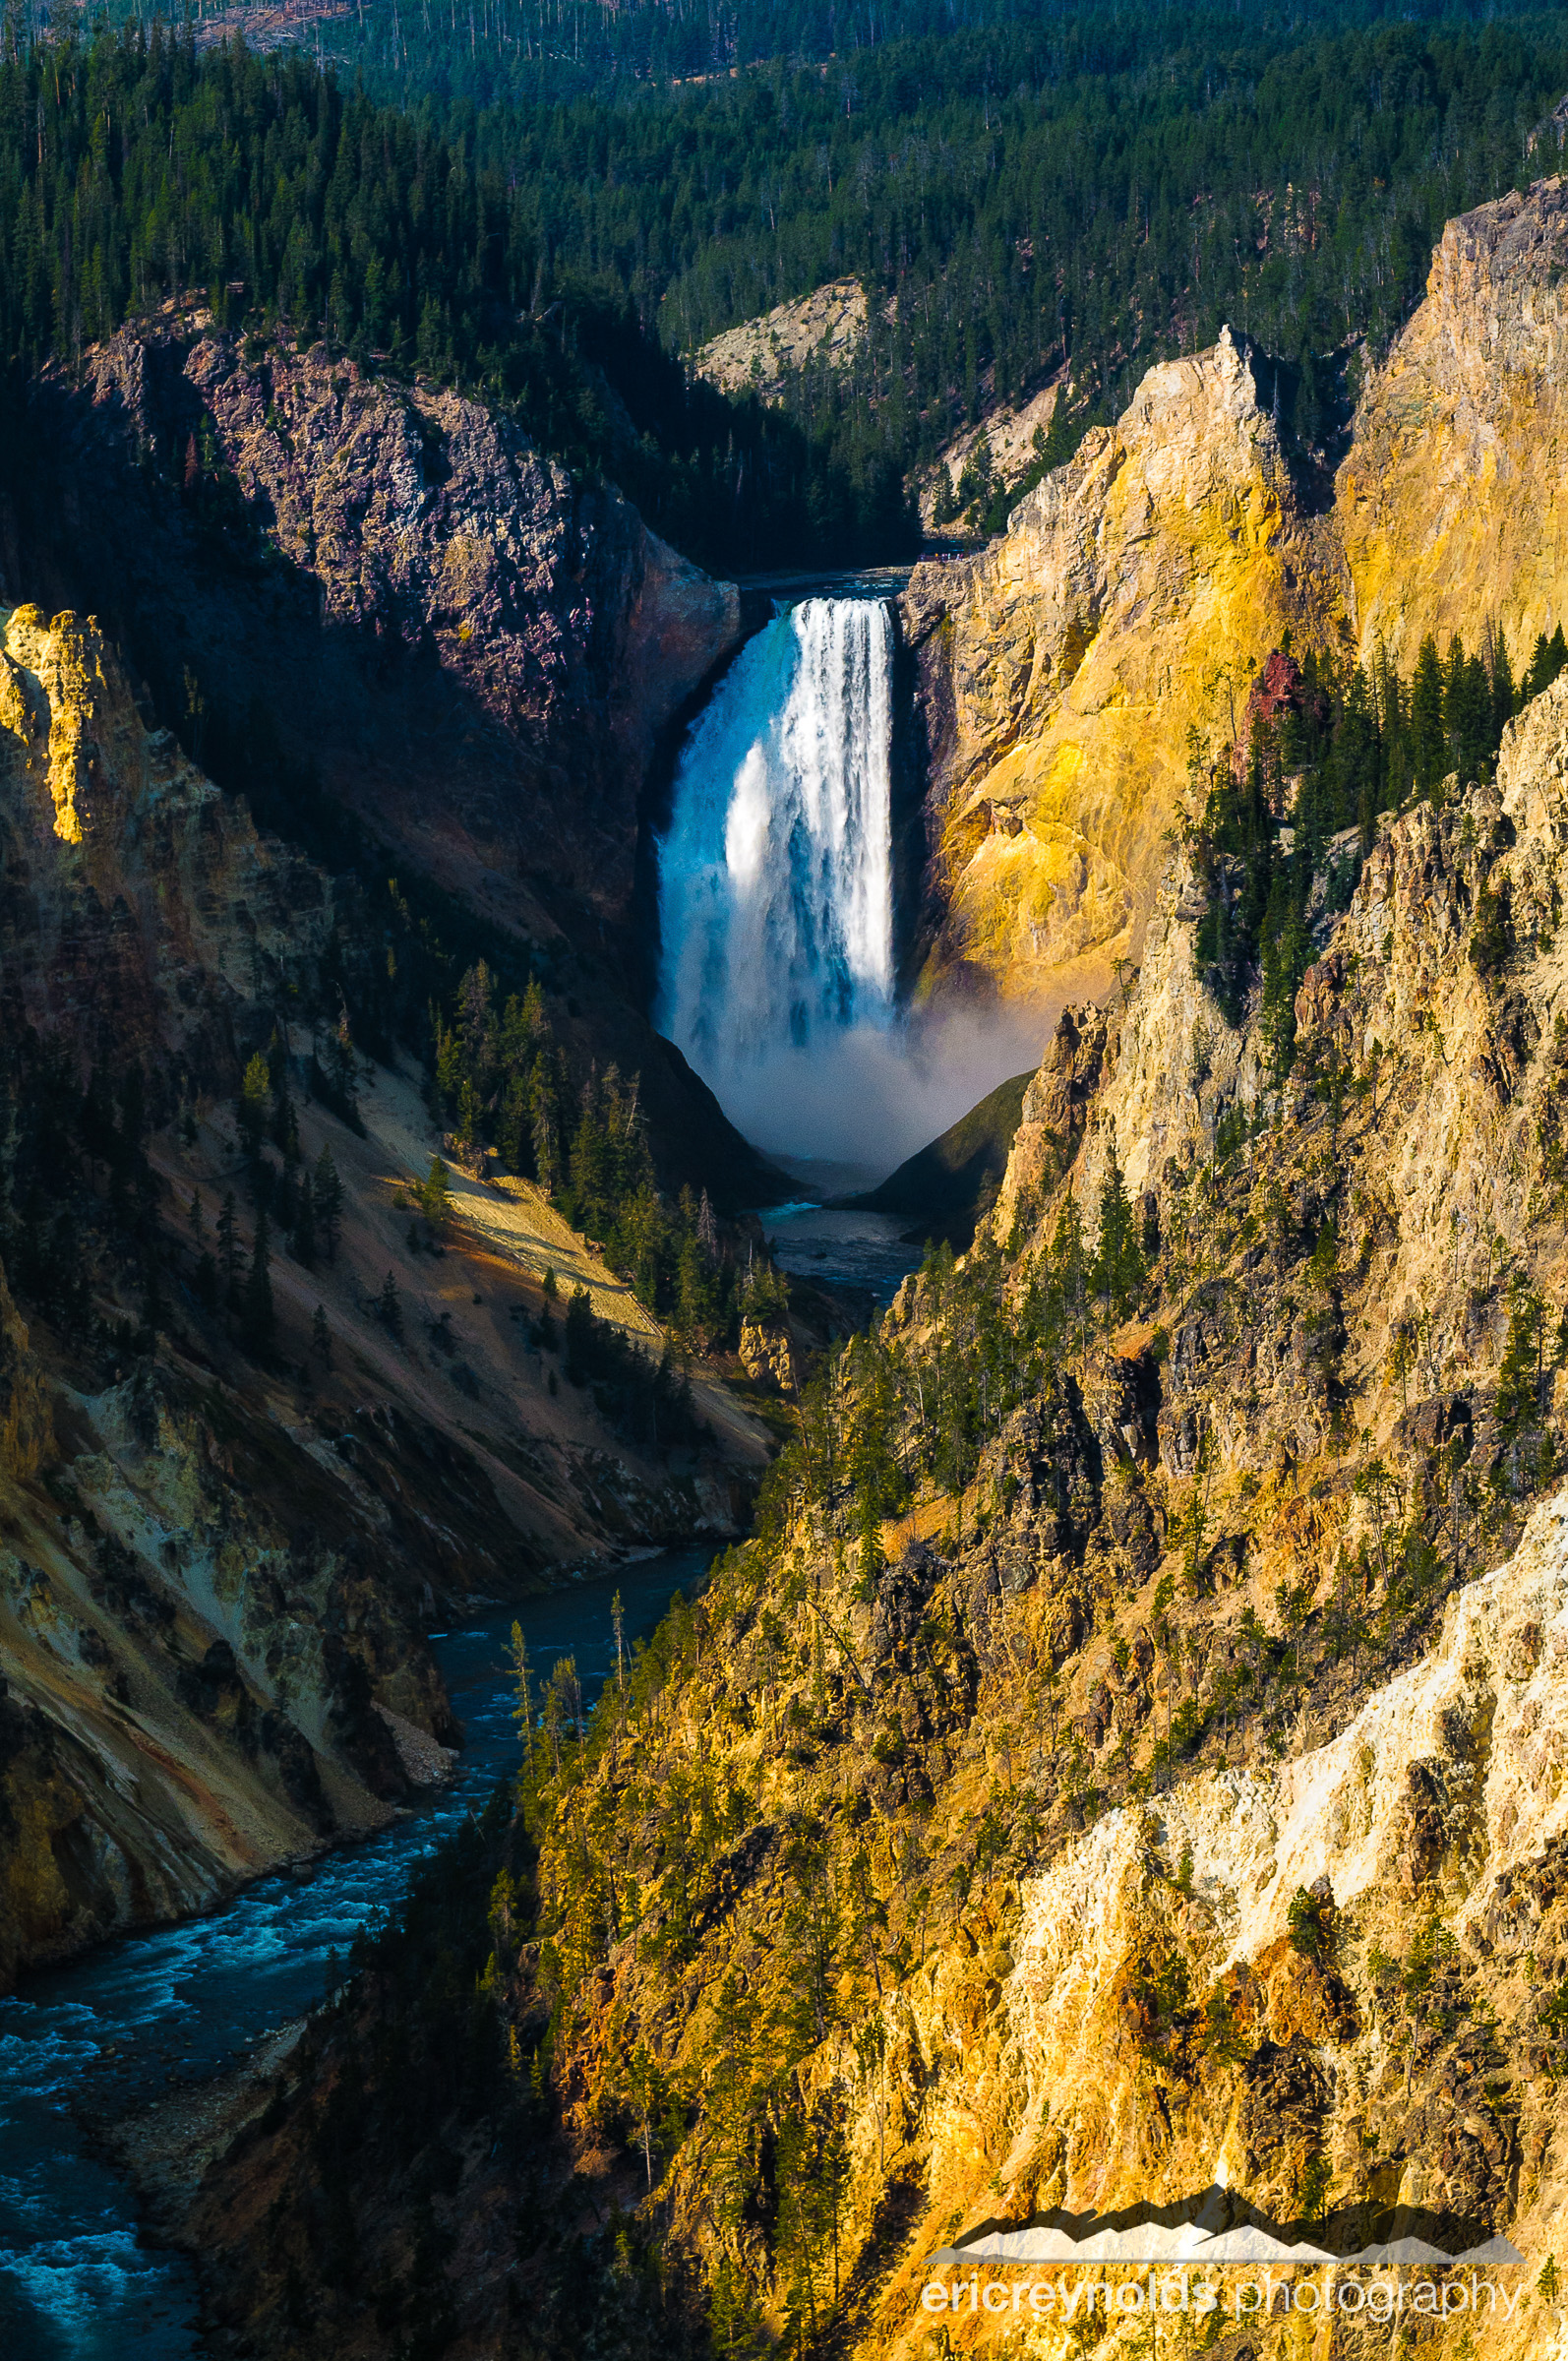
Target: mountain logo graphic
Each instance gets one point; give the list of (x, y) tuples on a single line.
[(1217, 2226)]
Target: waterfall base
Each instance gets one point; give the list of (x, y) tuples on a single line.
[(870, 1098)]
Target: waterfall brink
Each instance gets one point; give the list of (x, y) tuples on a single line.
[(777, 900)]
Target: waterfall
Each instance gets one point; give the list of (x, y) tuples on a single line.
[(775, 876)]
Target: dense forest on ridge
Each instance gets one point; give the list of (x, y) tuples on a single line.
[(1019, 197)]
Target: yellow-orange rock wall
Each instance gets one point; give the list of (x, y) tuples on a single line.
[(1135, 594)]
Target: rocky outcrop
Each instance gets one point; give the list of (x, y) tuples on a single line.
[(388, 583), (1135, 596), (1450, 505), (1056, 1106), (1139, 591), (345, 592), (1206, 1877), (216, 1564), (1010, 434), (1442, 1159), (143, 908), (192, 1631), (769, 1354), (764, 356)]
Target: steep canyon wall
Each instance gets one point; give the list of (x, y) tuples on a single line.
[(350, 594), (1138, 591), (217, 1560)]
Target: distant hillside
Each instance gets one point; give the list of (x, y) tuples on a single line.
[(946, 1185)]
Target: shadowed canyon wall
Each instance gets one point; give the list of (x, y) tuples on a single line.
[(217, 1560), (347, 594)]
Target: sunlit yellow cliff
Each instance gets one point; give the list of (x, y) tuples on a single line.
[(1139, 589)]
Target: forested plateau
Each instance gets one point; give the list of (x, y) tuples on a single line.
[(1021, 198)]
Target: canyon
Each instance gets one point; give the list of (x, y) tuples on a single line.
[(1118, 1757), (1167, 1812)]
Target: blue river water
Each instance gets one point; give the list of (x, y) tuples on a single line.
[(152, 2011), (841, 1247)]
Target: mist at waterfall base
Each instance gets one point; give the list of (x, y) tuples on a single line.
[(846, 1111), (776, 909)]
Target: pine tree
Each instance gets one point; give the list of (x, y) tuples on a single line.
[(579, 1336), (1119, 1273), (231, 1250), (447, 1068), (255, 1104), (1504, 695), (344, 1066), (434, 1195), (326, 1195), (1223, 2038), (1548, 659), (1069, 1270), (536, 1016), (257, 1316), (511, 1125), (390, 1308), (1426, 717), (304, 1228), (544, 1128), (1467, 713), (1285, 958), (1491, 935), (320, 1337), (522, 1711), (1519, 1379), (695, 1295), (468, 1117)]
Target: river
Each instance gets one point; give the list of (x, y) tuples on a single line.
[(842, 1248), (181, 2003)]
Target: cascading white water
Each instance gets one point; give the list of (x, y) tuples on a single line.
[(776, 909), (776, 898)]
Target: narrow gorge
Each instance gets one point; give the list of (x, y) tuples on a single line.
[(783, 1353)]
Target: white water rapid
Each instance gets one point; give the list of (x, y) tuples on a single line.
[(776, 904)]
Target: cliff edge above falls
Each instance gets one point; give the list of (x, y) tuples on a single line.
[(1138, 591)]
